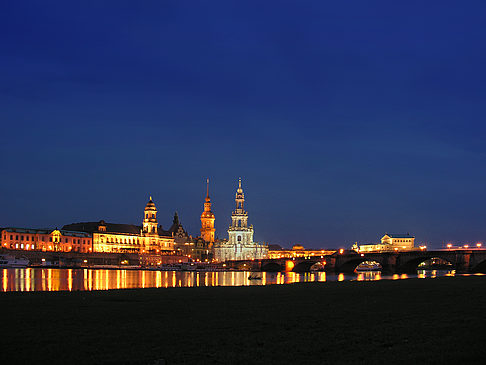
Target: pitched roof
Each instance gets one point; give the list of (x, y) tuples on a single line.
[(92, 227), (399, 235)]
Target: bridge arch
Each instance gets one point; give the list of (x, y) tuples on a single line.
[(305, 265), (272, 267), (350, 265), (412, 265), (480, 268)]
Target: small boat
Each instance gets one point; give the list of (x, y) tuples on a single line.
[(188, 267), (12, 261), (368, 266), (254, 277)]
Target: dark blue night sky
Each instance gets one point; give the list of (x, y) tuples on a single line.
[(345, 120)]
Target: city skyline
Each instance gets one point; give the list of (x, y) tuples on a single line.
[(345, 121), (287, 245)]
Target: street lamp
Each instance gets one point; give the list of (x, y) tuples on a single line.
[(449, 246), (478, 245)]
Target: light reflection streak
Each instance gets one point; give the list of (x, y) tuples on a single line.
[(4, 279), (70, 279), (28, 279), (38, 279), (49, 279)]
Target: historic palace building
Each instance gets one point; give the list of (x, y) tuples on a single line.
[(112, 237), (45, 240), (390, 242), (240, 245)]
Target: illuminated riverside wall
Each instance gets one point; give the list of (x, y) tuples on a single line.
[(297, 251), (91, 259)]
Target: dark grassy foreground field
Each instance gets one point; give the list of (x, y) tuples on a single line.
[(428, 321)]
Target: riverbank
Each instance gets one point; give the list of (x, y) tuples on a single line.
[(433, 321)]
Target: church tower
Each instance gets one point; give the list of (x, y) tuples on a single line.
[(150, 218), (239, 233), (207, 219)]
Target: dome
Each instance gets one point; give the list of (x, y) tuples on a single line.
[(150, 205)]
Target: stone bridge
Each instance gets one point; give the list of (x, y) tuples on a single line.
[(391, 262)]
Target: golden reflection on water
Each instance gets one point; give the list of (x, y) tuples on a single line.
[(44, 279)]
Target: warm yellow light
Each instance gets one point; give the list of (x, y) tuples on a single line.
[(466, 246), (341, 251), (478, 245), (449, 245), (289, 265)]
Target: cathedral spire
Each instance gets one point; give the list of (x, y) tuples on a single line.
[(207, 189), (207, 218), (240, 197)]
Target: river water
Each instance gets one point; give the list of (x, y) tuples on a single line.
[(43, 279)]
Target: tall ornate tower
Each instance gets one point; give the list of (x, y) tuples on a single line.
[(150, 218), (207, 219), (239, 232)]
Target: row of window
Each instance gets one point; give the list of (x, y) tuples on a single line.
[(32, 246), (132, 241), (55, 240)]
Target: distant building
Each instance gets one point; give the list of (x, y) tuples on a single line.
[(390, 242), (240, 245), (30, 239), (114, 237), (196, 248), (277, 252)]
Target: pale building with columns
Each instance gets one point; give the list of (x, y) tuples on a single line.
[(390, 242), (240, 245)]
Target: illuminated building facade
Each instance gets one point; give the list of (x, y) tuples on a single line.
[(390, 242), (240, 245), (195, 248), (46, 240), (297, 251), (112, 237), (207, 219)]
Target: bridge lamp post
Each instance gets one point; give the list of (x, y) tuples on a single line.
[(478, 245), (449, 246), (466, 246)]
